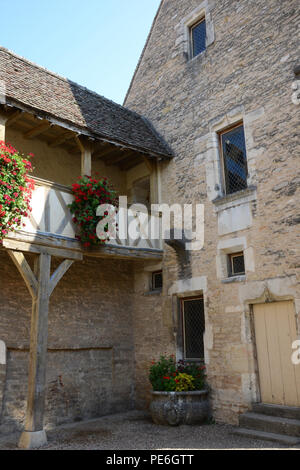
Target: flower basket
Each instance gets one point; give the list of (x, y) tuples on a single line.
[(15, 188)]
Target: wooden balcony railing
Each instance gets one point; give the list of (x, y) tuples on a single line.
[(51, 216), (50, 213)]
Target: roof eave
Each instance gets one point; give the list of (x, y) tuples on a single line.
[(69, 125)]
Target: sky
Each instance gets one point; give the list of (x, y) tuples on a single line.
[(96, 43)]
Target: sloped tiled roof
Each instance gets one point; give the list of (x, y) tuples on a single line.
[(48, 94)]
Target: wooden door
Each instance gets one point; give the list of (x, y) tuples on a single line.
[(275, 331)]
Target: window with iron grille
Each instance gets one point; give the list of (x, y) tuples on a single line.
[(198, 37), (193, 322), (236, 264), (233, 149), (157, 280)]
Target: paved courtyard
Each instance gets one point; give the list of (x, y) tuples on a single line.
[(134, 430)]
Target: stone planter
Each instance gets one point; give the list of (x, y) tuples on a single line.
[(175, 408)]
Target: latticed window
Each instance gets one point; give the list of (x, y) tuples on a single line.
[(236, 264), (193, 321), (198, 38), (233, 149), (157, 280)]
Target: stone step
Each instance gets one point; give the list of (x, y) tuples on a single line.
[(271, 424), (277, 410), (267, 436)]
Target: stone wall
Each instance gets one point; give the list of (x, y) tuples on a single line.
[(246, 73), (90, 369), (153, 335)]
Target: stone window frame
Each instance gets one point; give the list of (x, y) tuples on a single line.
[(229, 247), (203, 11), (190, 287), (145, 279), (214, 172), (181, 326), (230, 258), (152, 286), (223, 165)]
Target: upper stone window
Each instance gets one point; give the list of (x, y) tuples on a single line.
[(196, 30), (234, 159), (198, 37)]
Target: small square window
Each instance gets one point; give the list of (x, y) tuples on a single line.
[(198, 37), (236, 264), (234, 157), (157, 280)]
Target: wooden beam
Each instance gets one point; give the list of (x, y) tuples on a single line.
[(39, 249), (37, 130), (100, 147), (59, 273), (24, 269), (73, 246), (118, 158), (149, 163), (107, 152), (126, 253), (131, 164), (79, 143), (61, 139), (14, 117)]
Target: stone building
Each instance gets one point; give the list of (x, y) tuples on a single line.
[(215, 79), (208, 119)]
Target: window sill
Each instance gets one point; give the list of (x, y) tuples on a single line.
[(153, 292), (230, 200), (192, 60), (229, 280)]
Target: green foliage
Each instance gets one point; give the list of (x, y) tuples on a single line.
[(89, 194), (184, 383), (163, 373), (15, 188), (167, 375)]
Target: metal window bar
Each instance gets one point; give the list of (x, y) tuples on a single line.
[(193, 320), (236, 264), (233, 149), (198, 37)]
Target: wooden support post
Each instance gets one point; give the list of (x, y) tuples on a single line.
[(154, 184), (40, 285), (3, 120), (86, 163), (38, 347), (86, 157)]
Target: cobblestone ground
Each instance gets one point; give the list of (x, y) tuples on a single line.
[(135, 431)]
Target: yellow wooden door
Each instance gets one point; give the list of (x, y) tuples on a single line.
[(275, 331)]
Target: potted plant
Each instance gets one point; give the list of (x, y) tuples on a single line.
[(180, 393)]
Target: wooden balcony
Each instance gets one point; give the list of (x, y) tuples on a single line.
[(50, 224)]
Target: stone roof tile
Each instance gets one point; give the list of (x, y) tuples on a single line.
[(43, 91)]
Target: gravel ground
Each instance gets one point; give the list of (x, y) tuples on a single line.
[(134, 430)]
